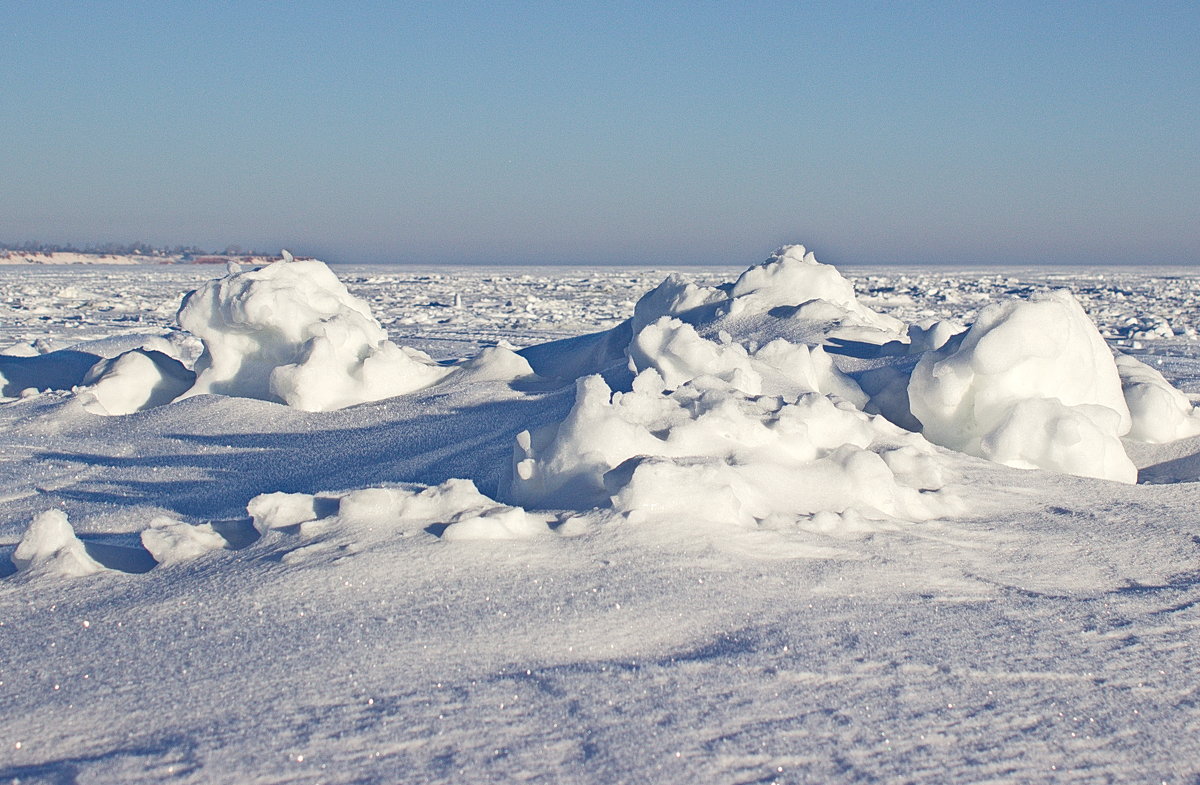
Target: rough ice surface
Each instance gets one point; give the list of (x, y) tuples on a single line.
[(1031, 384), (739, 576), (291, 332)]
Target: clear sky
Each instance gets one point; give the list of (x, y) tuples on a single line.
[(446, 132)]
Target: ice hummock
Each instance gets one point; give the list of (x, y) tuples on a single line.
[(394, 582), (708, 452), (794, 277), (1159, 412), (1031, 384), (291, 332), (778, 398)]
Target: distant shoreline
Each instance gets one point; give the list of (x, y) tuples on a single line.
[(81, 257)]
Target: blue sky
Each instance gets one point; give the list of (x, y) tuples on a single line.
[(449, 132)]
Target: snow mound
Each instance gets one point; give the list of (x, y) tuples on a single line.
[(50, 547), (494, 364), (1031, 384), (279, 510), (708, 452), (679, 354), (173, 542), (673, 297), (135, 381), (1160, 412), (455, 508), (793, 277), (291, 332)]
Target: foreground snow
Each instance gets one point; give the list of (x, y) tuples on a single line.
[(688, 548)]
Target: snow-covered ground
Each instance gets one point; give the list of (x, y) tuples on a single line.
[(563, 525)]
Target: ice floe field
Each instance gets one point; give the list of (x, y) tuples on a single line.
[(783, 524)]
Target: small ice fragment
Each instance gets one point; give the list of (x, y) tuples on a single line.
[(50, 547)]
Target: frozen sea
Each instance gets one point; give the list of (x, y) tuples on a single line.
[(1048, 630)]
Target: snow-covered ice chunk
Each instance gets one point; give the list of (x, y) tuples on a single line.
[(793, 276), (279, 509), (388, 508), (1044, 433), (1160, 412), (673, 297), (50, 547), (172, 542), (134, 381), (373, 514), (810, 369), (932, 334), (707, 451), (291, 332), (456, 505), (500, 523), (1031, 384), (678, 354)]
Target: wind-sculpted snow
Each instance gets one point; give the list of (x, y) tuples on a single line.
[(707, 454), (1031, 384), (136, 380), (290, 332), (1159, 412), (628, 525), (793, 277)]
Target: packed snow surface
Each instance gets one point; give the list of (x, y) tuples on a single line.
[(786, 524)]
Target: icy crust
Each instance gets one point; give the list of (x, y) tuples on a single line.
[(709, 452), (291, 332), (1160, 413), (1031, 384)]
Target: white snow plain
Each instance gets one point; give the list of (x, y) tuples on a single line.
[(556, 525)]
